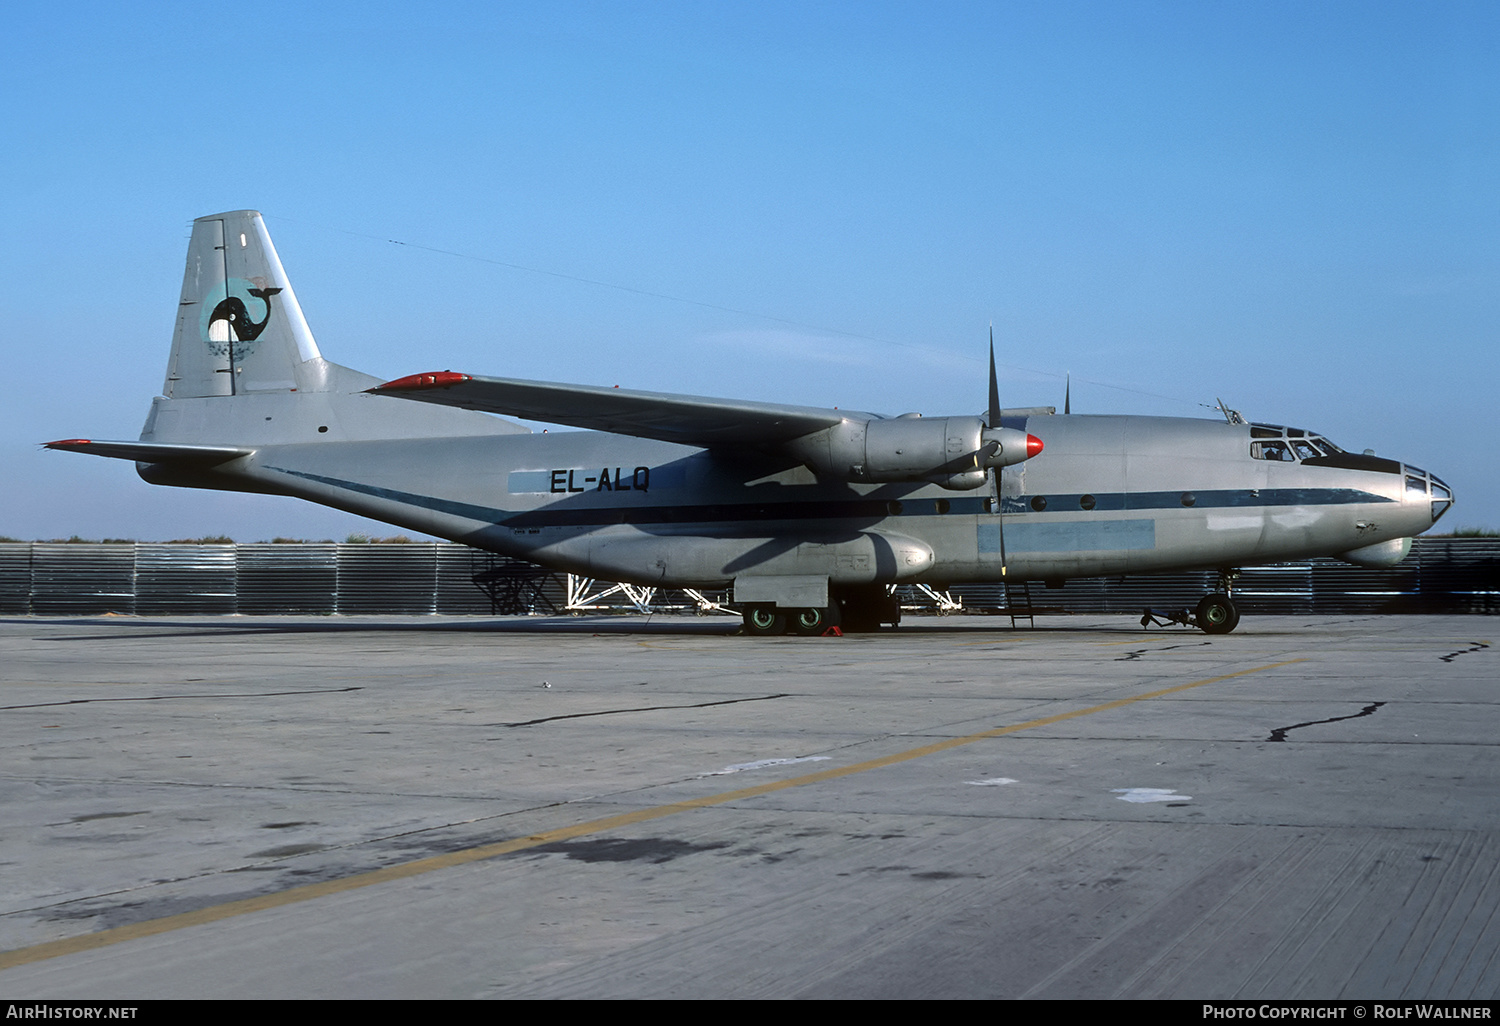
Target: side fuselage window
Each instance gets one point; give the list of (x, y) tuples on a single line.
[(1276, 452)]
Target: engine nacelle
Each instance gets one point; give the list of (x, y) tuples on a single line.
[(955, 452)]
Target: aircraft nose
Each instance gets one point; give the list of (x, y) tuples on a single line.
[(1423, 486)]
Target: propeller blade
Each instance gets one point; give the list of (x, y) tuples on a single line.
[(1068, 396), (994, 422), (994, 384)]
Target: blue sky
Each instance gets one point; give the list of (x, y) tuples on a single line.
[(1294, 206)]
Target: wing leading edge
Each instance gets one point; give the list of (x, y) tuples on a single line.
[(685, 419)]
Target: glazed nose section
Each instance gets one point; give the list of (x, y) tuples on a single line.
[(1442, 497), (1424, 487)]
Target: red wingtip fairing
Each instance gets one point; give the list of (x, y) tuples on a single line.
[(432, 379)]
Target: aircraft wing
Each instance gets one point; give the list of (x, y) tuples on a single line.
[(685, 419), (152, 452)]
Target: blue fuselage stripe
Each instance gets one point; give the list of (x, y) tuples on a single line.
[(560, 514), (1214, 498)]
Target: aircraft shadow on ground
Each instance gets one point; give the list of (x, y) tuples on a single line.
[(642, 626)]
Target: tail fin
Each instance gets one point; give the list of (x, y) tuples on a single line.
[(245, 371), (239, 327)]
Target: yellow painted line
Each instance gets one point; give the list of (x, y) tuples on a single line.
[(309, 892)]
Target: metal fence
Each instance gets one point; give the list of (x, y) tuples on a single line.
[(49, 578), (1441, 575), (1448, 575)]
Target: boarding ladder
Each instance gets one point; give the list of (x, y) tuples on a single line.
[(1018, 602)]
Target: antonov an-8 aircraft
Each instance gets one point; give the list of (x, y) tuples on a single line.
[(810, 515)]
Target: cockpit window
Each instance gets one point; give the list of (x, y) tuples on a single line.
[(1276, 452), (1291, 445)]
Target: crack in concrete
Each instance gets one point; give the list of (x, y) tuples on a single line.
[(644, 708), (1138, 652), (1477, 646), (1279, 734), (163, 698)]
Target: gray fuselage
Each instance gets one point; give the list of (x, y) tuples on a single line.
[(1108, 495)]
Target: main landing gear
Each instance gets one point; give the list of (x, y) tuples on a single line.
[(764, 621), (1216, 612), (858, 611)]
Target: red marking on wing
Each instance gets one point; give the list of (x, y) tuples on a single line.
[(432, 379)]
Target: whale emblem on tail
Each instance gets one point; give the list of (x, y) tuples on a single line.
[(238, 325)]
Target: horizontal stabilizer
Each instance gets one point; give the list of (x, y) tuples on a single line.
[(685, 419), (152, 452)]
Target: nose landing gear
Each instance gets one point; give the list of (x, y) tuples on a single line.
[(1216, 612)]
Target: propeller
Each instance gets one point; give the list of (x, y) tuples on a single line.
[(1002, 445)]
